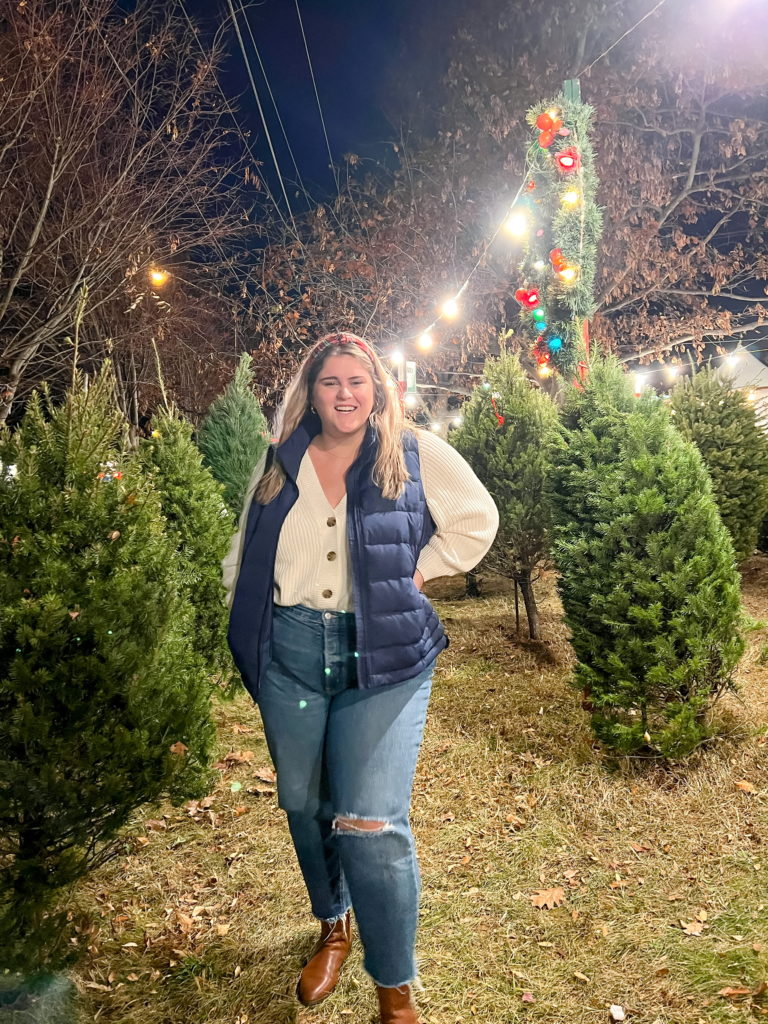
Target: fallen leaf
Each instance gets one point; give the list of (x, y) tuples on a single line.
[(178, 748), (222, 929), (546, 899), (528, 997), (239, 811), (617, 1012), (745, 787), (693, 927), (132, 977), (266, 774), (580, 976), (244, 729), (619, 883), (114, 535), (734, 993)]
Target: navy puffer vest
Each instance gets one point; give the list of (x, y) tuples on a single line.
[(398, 631)]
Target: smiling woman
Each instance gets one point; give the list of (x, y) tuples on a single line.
[(344, 520)]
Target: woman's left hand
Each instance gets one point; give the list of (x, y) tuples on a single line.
[(418, 579)]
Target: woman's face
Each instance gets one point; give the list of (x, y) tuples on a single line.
[(343, 395)]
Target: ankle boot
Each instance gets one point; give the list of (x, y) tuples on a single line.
[(396, 1005), (321, 975)]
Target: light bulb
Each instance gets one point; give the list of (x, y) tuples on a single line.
[(731, 361), (158, 277), (545, 370), (435, 427), (539, 265), (450, 309), (641, 379), (410, 401), (457, 421), (425, 341), (516, 224), (396, 356), (571, 197), (671, 371), (567, 274)]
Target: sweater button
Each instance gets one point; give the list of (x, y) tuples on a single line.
[(327, 593), (331, 556), (331, 520)]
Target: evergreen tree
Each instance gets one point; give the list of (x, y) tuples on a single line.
[(234, 434), (104, 704), (506, 437), (200, 525), (647, 574), (722, 424)]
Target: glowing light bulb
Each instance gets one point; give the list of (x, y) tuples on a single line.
[(516, 224), (457, 421), (425, 341), (538, 313), (731, 361), (554, 113), (671, 371), (410, 401), (539, 265), (158, 277), (555, 344), (571, 197), (567, 274), (545, 370), (752, 396), (486, 386), (435, 427), (450, 309), (396, 356), (641, 379)]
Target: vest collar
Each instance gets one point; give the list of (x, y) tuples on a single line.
[(292, 450)]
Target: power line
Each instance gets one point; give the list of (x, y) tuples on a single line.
[(260, 109), (317, 95), (272, 97), (623, 36)]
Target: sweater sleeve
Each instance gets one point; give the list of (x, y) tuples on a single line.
[(466, 518), (230, 565)]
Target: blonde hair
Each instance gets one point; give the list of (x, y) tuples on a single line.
[(389, 471)]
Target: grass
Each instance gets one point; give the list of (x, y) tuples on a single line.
[(205, 919)]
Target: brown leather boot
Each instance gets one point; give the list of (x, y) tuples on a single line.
[(396, 1005), (321, 975)]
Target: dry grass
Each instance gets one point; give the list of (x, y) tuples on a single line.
[(206, 919)]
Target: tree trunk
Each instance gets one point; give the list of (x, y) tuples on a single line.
[(472, 584), (526, 588)]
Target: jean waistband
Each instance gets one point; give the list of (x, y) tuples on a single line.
[(312, 616)]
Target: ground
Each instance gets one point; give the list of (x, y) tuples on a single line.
[(653, 879)]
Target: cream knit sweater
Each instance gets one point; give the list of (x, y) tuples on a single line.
[(312, 565)]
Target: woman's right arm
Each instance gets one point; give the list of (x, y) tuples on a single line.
[(230, 565)]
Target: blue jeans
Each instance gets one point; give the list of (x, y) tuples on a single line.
[(350, 754)]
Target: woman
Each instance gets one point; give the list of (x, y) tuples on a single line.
[(344, 520)]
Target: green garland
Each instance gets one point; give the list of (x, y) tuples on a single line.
[(566, 298)]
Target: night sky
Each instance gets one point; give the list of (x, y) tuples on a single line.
[(354, 46)]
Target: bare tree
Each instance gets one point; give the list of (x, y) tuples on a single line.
[(120, 191)]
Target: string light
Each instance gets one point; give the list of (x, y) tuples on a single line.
[(457, 421), (396, 357), (568, 274), (732, 360), (516, 224), (158, 277), (435, 427), (641, 380), (450, 309), (539, 265), (571, 197), (411, 401), (425, 341), (545, 370), (671, 371), (751, 396)]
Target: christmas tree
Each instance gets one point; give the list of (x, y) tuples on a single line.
[(234, 434), (104, 703), (647, 574), (505, 436), (721, 422), (200, 525)]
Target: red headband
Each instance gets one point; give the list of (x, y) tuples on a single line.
[(339, 339)]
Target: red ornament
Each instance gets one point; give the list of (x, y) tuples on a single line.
[(527, 297), (499, 417), (544, 122), (531, 185), (568, 160), (557, 259), (546, 139)]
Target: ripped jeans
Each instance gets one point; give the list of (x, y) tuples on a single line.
[(344, 755)]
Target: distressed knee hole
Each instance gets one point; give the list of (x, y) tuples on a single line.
[(356, 825)]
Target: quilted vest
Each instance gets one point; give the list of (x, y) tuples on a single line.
[(398, 631)]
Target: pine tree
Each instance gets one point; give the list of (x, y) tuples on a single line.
[(722, 424), (647, 574), (506, 438), (200, 525), (234, 434), (104, 704)]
